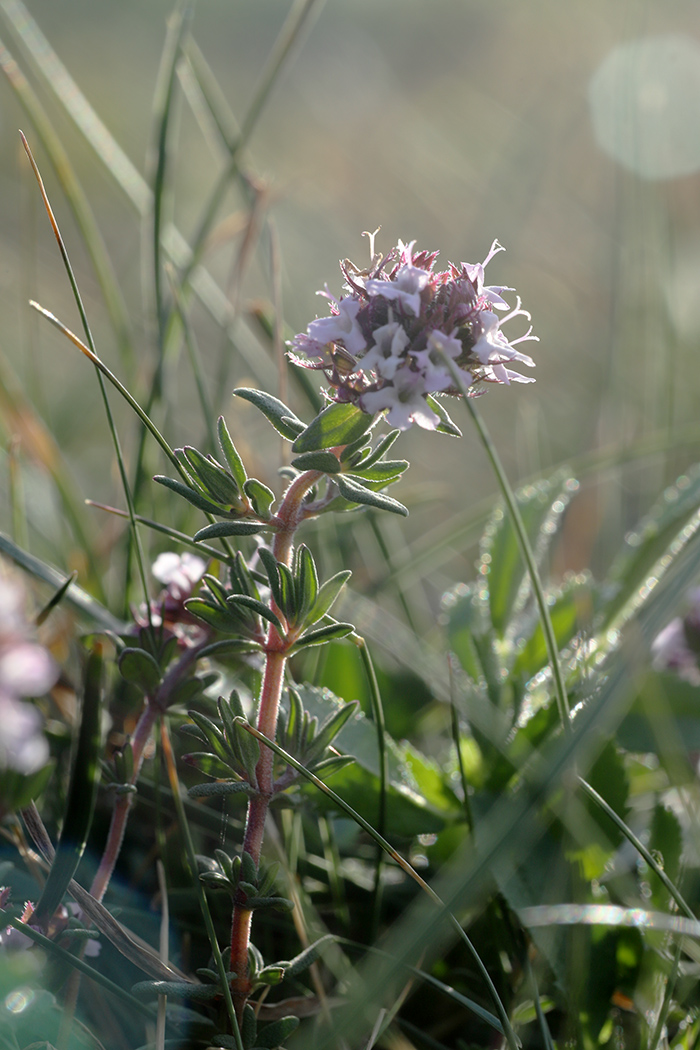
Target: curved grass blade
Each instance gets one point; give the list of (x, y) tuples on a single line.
[(82, 793)]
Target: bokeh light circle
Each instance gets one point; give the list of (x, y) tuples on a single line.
[(645, 105)]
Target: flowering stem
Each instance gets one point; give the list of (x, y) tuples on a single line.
[(287, 520), (525, 548)]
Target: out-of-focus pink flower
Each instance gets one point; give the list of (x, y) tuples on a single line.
[(382, 346), (677, 647), (26, 670), (179, 573)]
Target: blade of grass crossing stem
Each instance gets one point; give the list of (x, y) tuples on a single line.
[(403, 864), (77, 202), (380, 724), (525, 547), (91, 344), (639, 846), (299, 14), (82, 791), (198, 886)]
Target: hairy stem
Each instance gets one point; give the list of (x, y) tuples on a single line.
[(288, 519)]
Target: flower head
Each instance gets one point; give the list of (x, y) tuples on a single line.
[(384, 345)]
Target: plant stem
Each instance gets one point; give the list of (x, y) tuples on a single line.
[(288, 519)]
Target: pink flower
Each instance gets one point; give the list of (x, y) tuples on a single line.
[(384, 345)]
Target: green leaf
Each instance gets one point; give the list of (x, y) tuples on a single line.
[(306, 579), (356, 493), (569, 612), (189, 494), (541, 507), (213, 615), (139, 668), (201, 993), (282, 418), (408, 812), (256, 606), (645, 545), (260, 496), (666, 845), (328, 731), (273, 1035), (388, 470), (235, 464), (230, 528), (322, 635), (304, 959), (337, 424), (445, 426), (382, 446), (322, 460), (216, 481), (327, 595), (209, 764)]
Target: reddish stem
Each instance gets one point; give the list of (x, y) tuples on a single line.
[(287, 520)]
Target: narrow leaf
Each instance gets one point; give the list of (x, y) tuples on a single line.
[(327, 595), (230, 528), (321, 460), (260, 496), (235, 464), (282, 418), (189, 494), (445, 426), (357, 493)]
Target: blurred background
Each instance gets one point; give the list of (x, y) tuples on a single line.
[(571, 132)]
